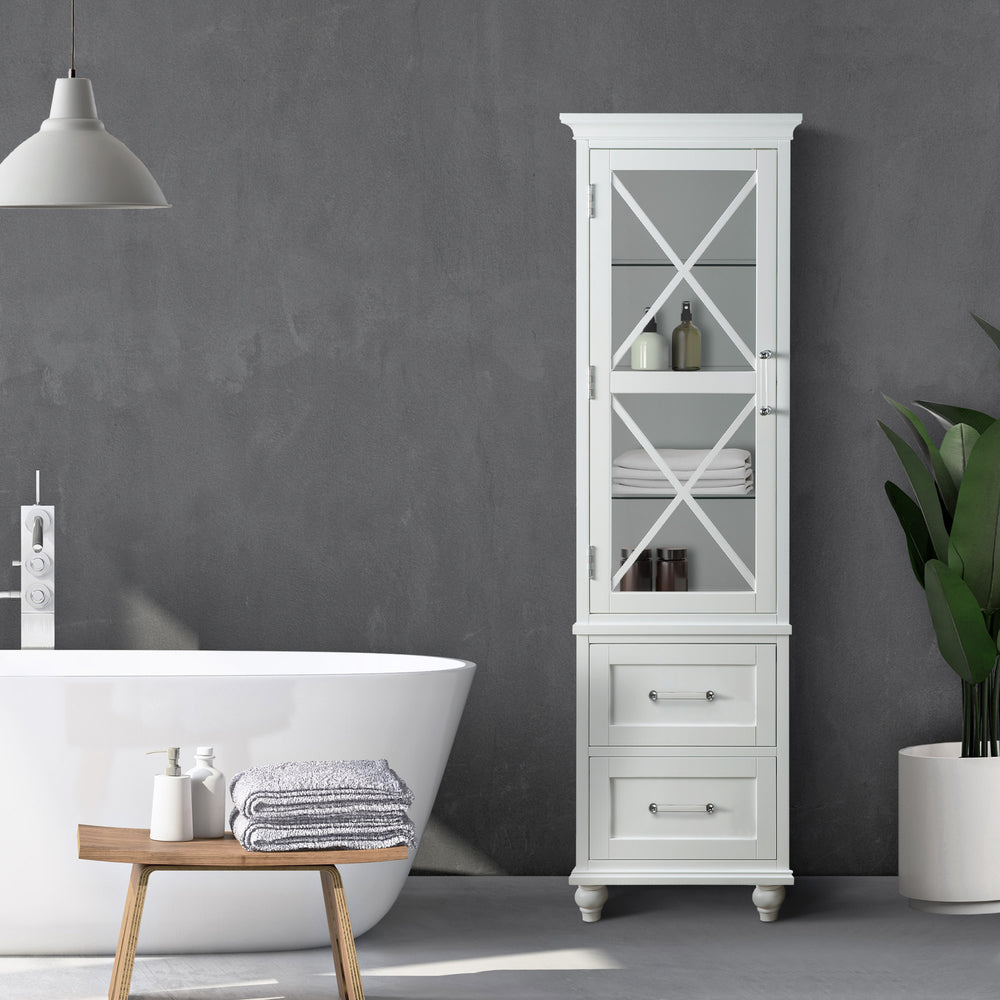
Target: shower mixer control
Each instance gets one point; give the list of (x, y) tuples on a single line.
[(38, 565), (38, 596), (38, 577)]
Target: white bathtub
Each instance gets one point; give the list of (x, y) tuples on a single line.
[(74, 728)]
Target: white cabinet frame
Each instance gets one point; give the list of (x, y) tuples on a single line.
[(630, 745)]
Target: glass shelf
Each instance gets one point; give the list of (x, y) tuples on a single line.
[(624, 262), (624, 367), (724, 381), (700, 497)]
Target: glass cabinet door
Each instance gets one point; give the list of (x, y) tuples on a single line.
[(683, 477)]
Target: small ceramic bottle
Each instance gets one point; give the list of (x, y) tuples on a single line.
[(649, 349), (171, 815), (208, 795)]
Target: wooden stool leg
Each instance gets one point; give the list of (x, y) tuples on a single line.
[(128, 936), (345, 958)]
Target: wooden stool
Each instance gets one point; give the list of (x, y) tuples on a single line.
[(112, 843)]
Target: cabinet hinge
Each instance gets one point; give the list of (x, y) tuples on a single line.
[(591, 201), (591, 562), (592, 382)]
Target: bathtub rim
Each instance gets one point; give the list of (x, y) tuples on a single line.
[(139, 663)]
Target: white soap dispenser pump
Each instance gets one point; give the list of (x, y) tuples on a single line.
[(208, 795), (171, 817)]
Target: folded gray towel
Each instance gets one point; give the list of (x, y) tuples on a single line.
[(319, 787), (349, 834)]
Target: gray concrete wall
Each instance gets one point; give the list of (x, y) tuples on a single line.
[(326, 400)]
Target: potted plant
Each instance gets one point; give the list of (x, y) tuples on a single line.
[(949, 793)]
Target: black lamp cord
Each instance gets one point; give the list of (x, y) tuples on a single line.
[(72, 47)]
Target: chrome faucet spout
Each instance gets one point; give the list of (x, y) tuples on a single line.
[(36, 535)]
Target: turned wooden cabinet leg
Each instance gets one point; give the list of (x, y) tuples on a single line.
[(591, 900), (128, 936), (768, 900), (345, 958)]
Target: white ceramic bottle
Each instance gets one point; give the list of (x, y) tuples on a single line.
[(650, 348), (171, 816), (208, 795)]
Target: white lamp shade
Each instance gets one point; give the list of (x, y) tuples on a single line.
[(73, 162)]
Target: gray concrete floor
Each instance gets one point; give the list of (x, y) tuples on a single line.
[(455, 938)]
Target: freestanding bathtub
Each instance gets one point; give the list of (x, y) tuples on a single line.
[(74, 729)]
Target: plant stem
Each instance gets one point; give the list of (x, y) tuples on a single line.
[(972, 720), (984, 712), (990, 728), (977, 719), (988, 711), (984, 738), (995, 710), (981, 750), (966, 720)]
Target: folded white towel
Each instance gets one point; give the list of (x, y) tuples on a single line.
[(684, 459), (744, 489), (309, 786), (657, 485), (737, 472)]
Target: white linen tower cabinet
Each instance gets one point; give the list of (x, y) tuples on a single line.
[(682, 694)]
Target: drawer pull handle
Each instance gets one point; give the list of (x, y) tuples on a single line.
[(682, 696), (765, 407), (708, 807)]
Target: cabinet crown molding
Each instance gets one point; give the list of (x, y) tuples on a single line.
[(767, 128)]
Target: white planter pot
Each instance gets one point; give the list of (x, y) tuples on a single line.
[(949, 829)]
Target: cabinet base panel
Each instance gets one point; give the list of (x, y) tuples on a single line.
[(759, 876)]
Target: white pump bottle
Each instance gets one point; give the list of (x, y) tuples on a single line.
[(171, 816)]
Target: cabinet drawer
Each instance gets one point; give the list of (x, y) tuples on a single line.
[(741, 824), (624, 711)]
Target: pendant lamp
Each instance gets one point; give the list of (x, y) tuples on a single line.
[(73, 161)]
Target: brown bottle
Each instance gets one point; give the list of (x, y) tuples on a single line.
[(639, 576), (672, 569)]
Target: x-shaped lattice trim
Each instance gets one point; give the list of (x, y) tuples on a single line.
[(683, 492), (684, 268)]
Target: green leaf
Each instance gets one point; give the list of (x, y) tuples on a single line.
[(923, 489), (918, 541), (955, 449), (962, 636), (959, 415), (974, 550), (942, 474), (991, 331)]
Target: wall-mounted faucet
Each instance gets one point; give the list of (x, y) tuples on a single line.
[(38, 574)]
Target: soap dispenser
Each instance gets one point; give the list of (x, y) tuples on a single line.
[(650, 348), (208, 795), (171, 818)]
